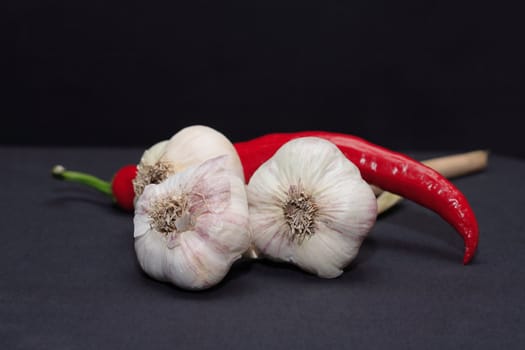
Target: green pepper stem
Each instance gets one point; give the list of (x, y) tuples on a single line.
[(62, 173)]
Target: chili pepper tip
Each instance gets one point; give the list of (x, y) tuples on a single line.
[(470, 249)]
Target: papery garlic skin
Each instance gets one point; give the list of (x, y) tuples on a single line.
[(309, 206), (194, 245), (188, 147)]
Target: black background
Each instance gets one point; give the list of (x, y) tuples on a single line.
[(420, 75)]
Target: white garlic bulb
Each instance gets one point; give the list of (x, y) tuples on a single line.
[(309, 206), (190, 228), (188, 147)]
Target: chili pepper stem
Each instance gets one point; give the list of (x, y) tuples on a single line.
[(62, 173)]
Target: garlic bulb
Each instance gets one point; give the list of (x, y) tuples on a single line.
[(188, 147), (190, 228), (309, 206)]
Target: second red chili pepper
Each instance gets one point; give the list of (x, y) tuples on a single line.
[(389, 170)]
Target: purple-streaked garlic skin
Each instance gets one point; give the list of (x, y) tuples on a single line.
[(309, 206), (190, 228)]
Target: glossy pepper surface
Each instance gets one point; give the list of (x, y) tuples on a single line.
[(389, 170)]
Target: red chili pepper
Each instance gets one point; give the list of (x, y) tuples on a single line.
[(120, 188), (391, 171)]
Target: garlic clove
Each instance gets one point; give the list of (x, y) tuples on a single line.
[(223, 228), (327, 254), (150, 252), (190, 228), (309, 206), (196, 265)]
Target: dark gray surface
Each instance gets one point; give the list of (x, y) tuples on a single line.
[(69, 278)]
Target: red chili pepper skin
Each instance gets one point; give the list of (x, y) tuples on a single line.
[(391, 171), (122, 187)]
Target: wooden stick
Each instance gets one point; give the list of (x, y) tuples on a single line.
[(449, 166)]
